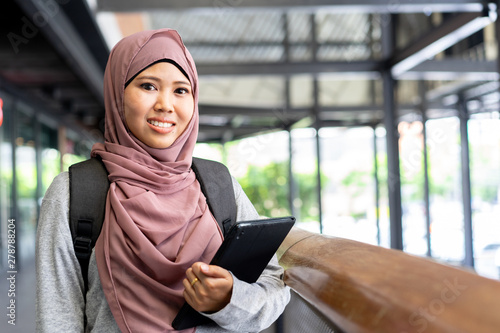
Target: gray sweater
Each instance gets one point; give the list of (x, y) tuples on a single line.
[(60, 301)]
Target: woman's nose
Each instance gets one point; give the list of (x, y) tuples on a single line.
[(164, 102)]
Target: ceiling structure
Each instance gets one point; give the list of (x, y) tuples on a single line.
[(263, 65), (54, 56)]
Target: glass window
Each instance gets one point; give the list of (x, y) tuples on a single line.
[(210, 151), (445, 182), (348, 189), (412, 187), (382, 214), (304, 166), (26, 181), (260, 164), (484, 141)]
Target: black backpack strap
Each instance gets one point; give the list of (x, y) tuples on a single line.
[(88, 186), (217, 185)]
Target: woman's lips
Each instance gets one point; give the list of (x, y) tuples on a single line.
[(162, 127)]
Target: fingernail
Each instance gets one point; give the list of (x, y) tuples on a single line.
[(204, 267)]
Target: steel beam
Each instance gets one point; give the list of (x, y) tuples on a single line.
[(437, 40), (326, 113), (368, 6), (368, 68), (446, 69), (42, 107), (453, 69), (207, 109), (217, 133)]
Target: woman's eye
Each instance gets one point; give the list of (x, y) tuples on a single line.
[(181, 91), (148, 86)]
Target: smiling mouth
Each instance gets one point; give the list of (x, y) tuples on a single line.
[(160, 124)]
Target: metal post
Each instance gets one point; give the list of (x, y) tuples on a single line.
[(392, 138), (463, 114), (291, 181), (38, 161), (318, 179), (423, 110), (318, 151), (393, 178), (314, 45), (377, 185)]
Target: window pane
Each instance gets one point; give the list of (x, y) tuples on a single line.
[(304, 168), (446, 209), (260, 164), (26, 178), (348, 190), (412, 187), (484, 141)]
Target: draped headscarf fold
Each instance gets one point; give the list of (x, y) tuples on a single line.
[(157, 222)]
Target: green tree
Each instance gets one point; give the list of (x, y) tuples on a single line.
[(267, 188)]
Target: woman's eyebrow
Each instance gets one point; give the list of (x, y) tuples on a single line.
[(148, 77), (155, 78), (183, 82)]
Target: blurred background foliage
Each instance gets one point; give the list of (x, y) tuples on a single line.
[(267, 187)]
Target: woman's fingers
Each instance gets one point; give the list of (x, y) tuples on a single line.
[(208, 288)]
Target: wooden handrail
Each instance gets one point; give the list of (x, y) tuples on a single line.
[(364, 288)]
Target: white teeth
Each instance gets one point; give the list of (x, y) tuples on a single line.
[(159, 124)]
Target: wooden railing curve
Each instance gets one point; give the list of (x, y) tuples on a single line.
[(364, 288)]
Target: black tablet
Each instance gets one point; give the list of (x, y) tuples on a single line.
[(246, 251)]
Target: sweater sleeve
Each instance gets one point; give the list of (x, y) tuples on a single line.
[(60, 302), (253, 307)]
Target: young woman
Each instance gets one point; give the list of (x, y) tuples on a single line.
[(158, 233)]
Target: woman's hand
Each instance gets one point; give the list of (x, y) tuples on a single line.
[(207, 288)]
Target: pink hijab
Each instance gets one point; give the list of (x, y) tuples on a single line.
[(157, 222)]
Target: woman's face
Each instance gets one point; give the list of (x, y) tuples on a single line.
[(158, 104)]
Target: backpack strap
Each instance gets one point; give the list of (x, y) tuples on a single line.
[(217, 185), (88, 188)]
